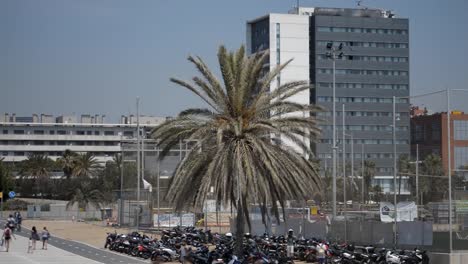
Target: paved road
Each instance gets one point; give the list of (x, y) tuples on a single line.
[(18, 254), (90, 252)]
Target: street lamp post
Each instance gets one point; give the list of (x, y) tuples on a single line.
[(449, 172), (344, 174), (333, 55), (121, 181), (362, 173), (417, 162), (395, 238), (138, 163)]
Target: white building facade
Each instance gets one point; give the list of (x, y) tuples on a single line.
[(46, 135)]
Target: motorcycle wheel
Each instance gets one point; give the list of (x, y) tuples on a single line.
[(146, 255)]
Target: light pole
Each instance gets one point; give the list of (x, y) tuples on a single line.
[(362, 173), (395, 238), (121, 181), (138, 163), (417, 162), (344, 174), (332, 53), (158, 163)]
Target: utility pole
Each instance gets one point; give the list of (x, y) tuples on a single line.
[(344, 175), (395, 238), (449, 149), (121, 181), (362, 173), (417, 162), (333, 55), (138, 163), (417, 174)]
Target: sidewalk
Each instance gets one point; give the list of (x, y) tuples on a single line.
[(18, 254)]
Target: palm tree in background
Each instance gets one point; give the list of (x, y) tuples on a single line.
[(6, 181), (432, 188), (86, 194), (404, 168), (67, 162), (86, 165), (369, 173), (38, 167), (235, 154)]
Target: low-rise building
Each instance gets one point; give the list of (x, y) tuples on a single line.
[(44, 134), (430, 134)]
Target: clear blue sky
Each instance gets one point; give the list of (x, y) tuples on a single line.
[(96, 56)]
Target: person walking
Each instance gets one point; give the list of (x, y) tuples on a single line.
[(11, 222), (19, 220), (45, 237), (34, 237), (6, 237)]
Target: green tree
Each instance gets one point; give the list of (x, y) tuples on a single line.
[(369, 173), (85, 165), (67, 162), (404, 168), (85, 194), (37, 169), (6, 181), (431, 184), (377, 193), (235, 153)]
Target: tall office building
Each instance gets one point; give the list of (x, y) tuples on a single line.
[(372, 66)]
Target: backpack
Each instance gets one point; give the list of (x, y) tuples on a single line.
[(7, 234)]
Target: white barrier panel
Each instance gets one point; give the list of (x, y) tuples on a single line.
[(173, 220), (407, 211)]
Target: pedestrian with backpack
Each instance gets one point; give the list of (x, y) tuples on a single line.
[(6, 237)]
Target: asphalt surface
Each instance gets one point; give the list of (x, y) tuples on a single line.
[(99, 255)]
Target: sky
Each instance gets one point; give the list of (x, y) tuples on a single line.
[(96, 56)]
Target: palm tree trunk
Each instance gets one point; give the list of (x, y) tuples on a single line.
[(240, 226)]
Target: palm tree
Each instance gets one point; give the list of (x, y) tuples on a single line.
[(369, 173), (404, 168), (86, 165), (235, 154), (432, 188), (38, 167), (5, 177), (67, 162), (86, 194)]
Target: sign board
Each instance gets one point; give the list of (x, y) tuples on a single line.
[(407, 211), (12, 194), (1, 195)]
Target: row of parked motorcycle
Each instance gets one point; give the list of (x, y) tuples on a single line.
[(198, 246)]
